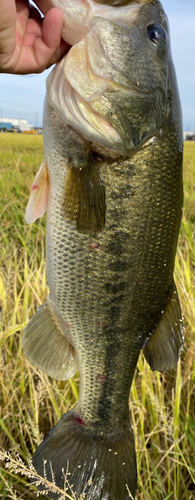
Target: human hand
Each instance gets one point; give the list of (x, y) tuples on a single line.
[(29, 44)]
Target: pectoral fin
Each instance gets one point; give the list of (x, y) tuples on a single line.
[(38, 201), (164, 347), (84, 198), (46, 346)]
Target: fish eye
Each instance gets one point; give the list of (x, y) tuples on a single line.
[(156, 34)]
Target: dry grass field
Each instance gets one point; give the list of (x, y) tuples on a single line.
[(162, 406)]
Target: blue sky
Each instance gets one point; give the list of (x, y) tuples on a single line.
[(23, 96)]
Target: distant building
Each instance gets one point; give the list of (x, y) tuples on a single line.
[(16, 123), (5, 125), (189, 136)]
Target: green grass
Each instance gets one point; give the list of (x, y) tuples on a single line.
[(162, 406)]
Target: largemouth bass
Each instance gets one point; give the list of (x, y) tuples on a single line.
[(111, 182)]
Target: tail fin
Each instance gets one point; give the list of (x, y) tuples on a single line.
[(80, 463)]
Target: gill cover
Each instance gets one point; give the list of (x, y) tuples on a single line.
[(112, 86), (77, 85)]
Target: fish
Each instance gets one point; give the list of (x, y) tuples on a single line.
[(111, 183)]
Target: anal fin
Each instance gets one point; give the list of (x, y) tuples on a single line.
[(46, 346), (163, 348)]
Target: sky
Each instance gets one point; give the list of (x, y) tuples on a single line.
[(23, 96)]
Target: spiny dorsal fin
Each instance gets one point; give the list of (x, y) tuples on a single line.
[(84, 198), (46, 346), (164, 347)]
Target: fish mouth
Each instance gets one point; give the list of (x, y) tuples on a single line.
[(78, 17)]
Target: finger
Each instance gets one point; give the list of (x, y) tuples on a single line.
[(52, 27), (9, 13), (60, 52), (49, 48), (22, 17), (8, 26), (51, 35)]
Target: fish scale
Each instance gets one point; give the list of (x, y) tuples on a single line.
[(85, 301), (115, 195)]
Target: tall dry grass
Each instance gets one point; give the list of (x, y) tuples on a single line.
[(162, 406)]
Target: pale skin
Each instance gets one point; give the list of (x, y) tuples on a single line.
[(29, 44)]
